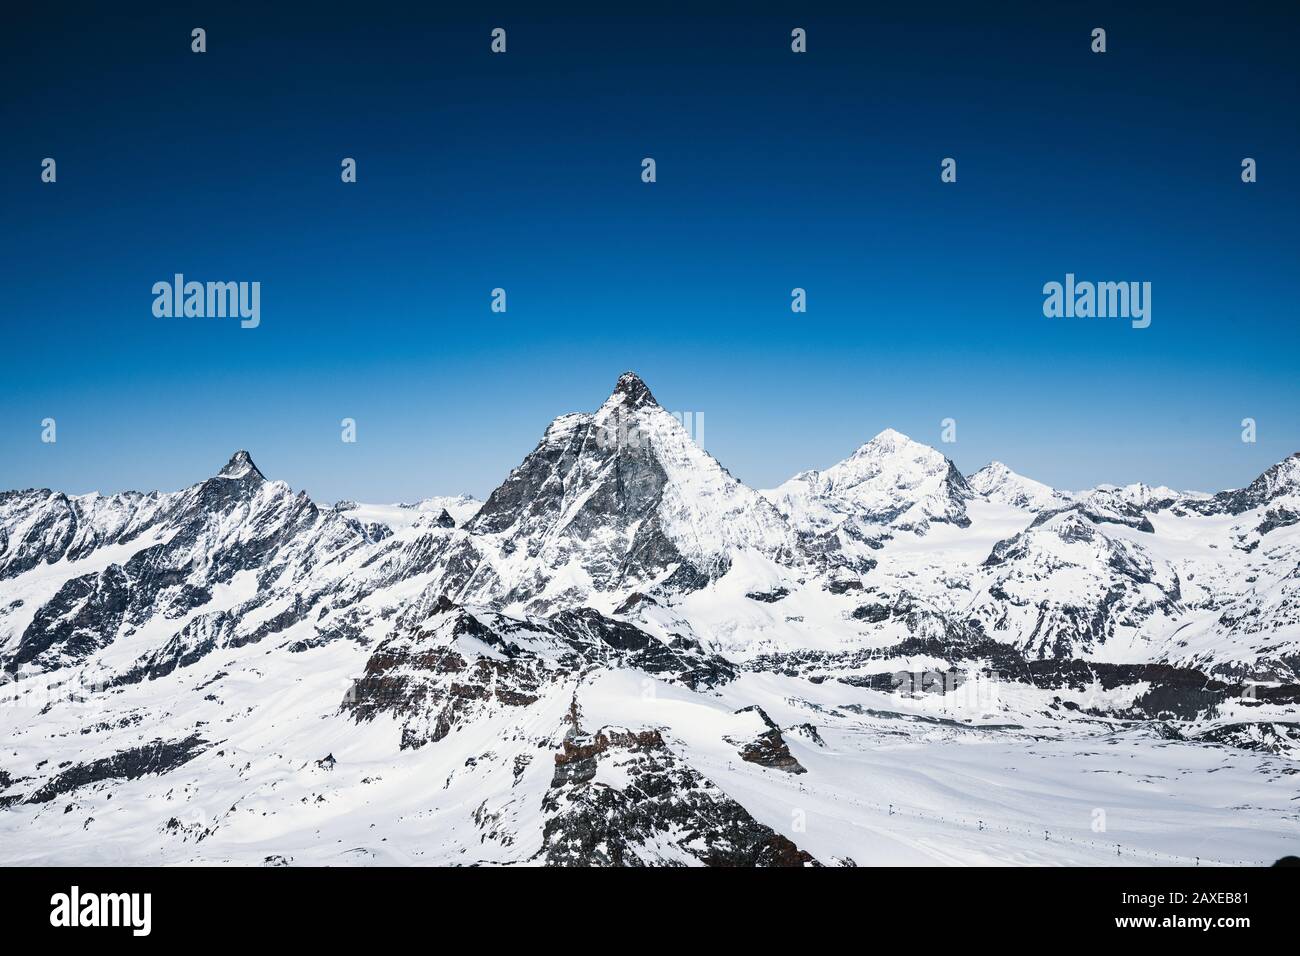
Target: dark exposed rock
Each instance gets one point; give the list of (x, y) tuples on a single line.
[(909, 682), (80, 619), (604, 492), (1125, 514), (872, 613), (532, 498), (156, 757), (808, 732), (47, 535), (588, 631), (1282, 478), (768, 748), (634, 600), (685, 578), (843, 586), (1276, 518), (433, 681), (7, 800), (1173, 693), (425, 679), (1273, 737), (666, 810)]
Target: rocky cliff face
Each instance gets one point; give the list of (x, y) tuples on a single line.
[(661, 812), (1279, 485), (614, 502)]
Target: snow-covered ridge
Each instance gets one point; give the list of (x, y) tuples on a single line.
[(505, 681), (460, 508), (996, 482)]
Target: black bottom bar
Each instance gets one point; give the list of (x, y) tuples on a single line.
[(350, 906)]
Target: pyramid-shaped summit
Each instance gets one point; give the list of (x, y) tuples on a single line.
[(241, 466), (633, 392), (622, 497)]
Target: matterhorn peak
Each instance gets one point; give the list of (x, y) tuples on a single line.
[(622, 498), (632, 392), (240, 466)]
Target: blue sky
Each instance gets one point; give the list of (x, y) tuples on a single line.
[(523, 171)]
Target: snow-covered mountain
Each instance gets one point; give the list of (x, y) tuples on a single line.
[(617, 501), (891, 484), (625, 655), (448, 511), (1064, 588), (1277, 488), (998, 483), (89, 572)]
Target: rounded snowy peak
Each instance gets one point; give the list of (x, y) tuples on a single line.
[(993, 476), (994, 471), (891, 452), (891, 440), (998, 483)]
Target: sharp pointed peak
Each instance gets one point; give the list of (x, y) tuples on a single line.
[(241, 466), (632, 391)]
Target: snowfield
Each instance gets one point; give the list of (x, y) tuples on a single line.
[(625, 656)]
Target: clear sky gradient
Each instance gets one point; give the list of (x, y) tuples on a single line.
[(775, 170)]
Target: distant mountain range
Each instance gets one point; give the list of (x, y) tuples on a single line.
[(625, 655)]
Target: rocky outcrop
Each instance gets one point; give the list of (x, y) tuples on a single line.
[(156, 757), (767, 747), (464, 661), (622, 798)]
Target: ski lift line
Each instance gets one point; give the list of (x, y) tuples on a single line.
[(895, 808)]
